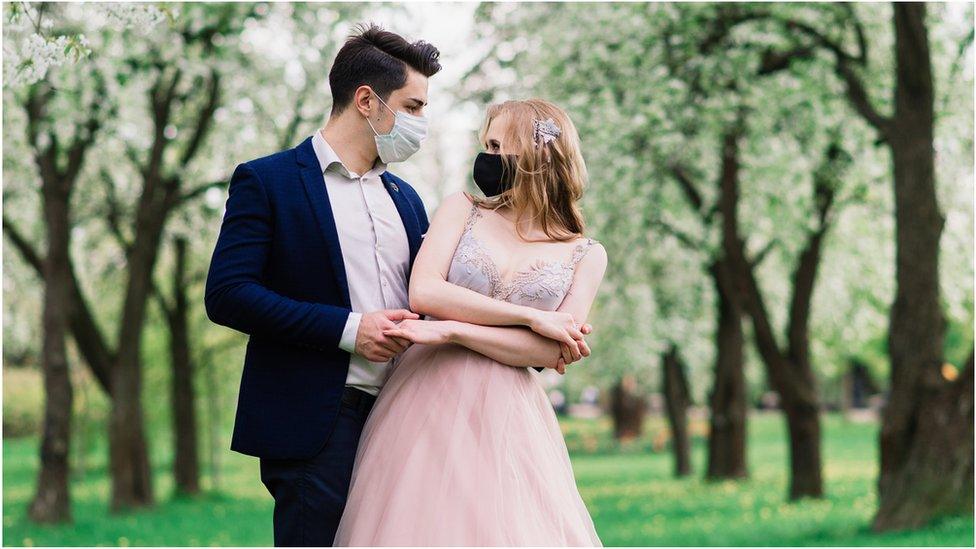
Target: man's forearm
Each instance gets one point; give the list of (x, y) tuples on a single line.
[(236, 296), (253, 309)]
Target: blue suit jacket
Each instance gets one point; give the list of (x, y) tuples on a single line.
[(277, 275)]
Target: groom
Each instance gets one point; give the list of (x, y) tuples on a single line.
[(312, 262)]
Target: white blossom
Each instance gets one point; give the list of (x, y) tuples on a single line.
[(132, 15)]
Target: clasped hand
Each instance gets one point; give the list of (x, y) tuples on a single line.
[(562, 327), (371, 341)]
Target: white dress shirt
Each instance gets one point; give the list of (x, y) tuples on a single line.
[(375, 252)]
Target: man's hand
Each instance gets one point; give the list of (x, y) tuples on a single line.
[(370, 341), (571, 354)]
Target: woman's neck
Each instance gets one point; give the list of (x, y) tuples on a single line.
[(529, 226)]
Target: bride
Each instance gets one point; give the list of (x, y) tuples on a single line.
[(462, 446)]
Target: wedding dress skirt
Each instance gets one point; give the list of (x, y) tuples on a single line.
[(460, 449)]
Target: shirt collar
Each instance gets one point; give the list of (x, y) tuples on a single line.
[(328, 158)]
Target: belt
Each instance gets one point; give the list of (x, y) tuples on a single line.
[(357, 399)]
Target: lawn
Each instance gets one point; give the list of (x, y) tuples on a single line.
[(629, 490)]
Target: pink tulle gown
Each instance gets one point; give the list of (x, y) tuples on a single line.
[(462, 450)]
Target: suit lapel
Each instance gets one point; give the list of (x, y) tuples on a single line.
[(407, 215), (318, 198)]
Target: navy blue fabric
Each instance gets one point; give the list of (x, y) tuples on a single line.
[(277, 275), (310, 494)]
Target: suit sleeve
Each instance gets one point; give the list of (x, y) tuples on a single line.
[(236, 296), (421, 220), (421, 212)]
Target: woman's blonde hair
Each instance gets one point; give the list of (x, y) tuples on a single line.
[(549, 177)]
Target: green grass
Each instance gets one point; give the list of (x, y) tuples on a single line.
[(629, 490)]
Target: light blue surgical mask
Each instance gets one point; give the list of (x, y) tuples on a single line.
[(403, 140)]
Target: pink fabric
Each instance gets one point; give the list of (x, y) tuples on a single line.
[(462, 450)]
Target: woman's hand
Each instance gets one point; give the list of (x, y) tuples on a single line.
[(573, 354), (557, 325), (429, 332)]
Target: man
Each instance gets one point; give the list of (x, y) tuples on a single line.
[(310, 235)]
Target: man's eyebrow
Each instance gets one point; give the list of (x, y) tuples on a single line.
[(419, 102)]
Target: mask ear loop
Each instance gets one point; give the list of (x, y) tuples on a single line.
[(385, 105), (371, 127)]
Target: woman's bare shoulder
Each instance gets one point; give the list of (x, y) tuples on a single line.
[(458, 200), (595, 256)]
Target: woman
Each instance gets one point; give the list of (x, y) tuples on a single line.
[(462, 446)]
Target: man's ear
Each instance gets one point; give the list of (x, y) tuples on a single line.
[(361, 100)]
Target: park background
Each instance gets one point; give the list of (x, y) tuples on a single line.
[(762, 357)]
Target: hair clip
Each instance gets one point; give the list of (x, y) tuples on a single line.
[(545, 130)]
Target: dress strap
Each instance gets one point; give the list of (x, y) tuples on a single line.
[(580, 251), (473, 216)]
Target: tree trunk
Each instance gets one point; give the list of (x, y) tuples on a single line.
[(627, 410), (129, 457), (859, 387), (789, 372), (128, 454), (791, 376), (803, 422), (676, 398), (212, 397), (926, 436), (727, 401), (186, 469), (51, 503), (936, 476)]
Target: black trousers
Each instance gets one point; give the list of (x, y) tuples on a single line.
[(310, 494)]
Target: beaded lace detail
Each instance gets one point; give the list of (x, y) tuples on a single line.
[(539, 280)]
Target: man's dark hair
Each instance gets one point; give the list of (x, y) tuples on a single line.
[(378, 59)]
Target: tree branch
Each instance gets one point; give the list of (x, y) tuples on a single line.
[(774, 61), (856, 92), (30, 255), (690, 189), (195, 192), (687, 240), (114, 213), (86, 133), (762, 254), (204, 119), (858, 97), (161, 98)]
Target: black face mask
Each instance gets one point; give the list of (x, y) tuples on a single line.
[(490, 174)]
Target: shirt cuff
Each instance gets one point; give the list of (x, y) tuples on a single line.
[(348, 340)]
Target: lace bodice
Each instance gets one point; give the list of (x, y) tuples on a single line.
[(542, 285)]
